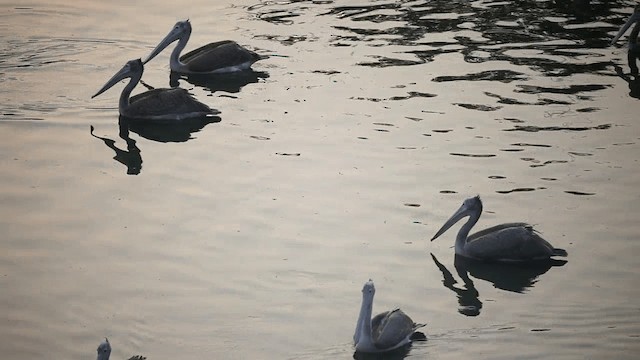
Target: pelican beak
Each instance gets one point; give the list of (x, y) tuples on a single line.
[(459, 214), (174, 34), (632, 19), (122, 74)]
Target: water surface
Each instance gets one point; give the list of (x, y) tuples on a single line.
[(335, 162)]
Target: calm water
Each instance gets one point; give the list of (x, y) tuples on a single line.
[(333, 163)]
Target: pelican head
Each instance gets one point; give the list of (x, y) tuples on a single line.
[(368, 290), (632, 19), (182, 29), (470, 206), (130, 69), (104, 350)]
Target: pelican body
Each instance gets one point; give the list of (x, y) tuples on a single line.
[(511, 242), (157, 104), (104, 351), (634, 41), (216, 58), (387, 331)]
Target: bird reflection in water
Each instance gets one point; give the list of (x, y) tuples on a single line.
[(632, 80), (131, 157), (397, 354), (231, 83), (505, 276), (160, 132)]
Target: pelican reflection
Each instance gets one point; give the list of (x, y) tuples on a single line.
[(131, 157), (227, 82), (512, 277)]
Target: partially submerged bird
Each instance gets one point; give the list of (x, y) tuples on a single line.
[(634, 41), (104, 351), (216, 58), (511, 242), (157, 104), (387, 331)]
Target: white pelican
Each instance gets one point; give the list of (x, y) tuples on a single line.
[(157, 104), (104, 351), (511, 242), (216, 58), (387, 331), (634, 40)]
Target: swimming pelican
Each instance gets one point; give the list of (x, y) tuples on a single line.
[(634, 40), (104, 351), (156, 104), (511, 242), (387, 331), (216, 58)]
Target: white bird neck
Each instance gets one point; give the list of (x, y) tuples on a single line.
[(126, 92), (463, 234), (174, 60), (362, 336)]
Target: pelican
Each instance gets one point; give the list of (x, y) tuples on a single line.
[(634, 40), (220, 57), (511, 242), (156, 104), (104, 351), (387, 331)]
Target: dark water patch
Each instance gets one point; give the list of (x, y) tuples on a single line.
[(383, 61), (515, 190), (364, 98), (569, 90), (512, 101), (257, 137), (411, 205), (478, 107), (513, 120), (549, 162), (287, 154), (287, 40), (413, 118), (623, 144), (531, 128), (413, 94), (581, 193), (473, 155), (588, 110), (579, 153), (497, 177), (504, 76), (326, 72), (533, 145)]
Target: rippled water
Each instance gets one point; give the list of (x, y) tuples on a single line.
[(334, 162)]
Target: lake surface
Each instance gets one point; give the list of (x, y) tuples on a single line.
[(334, 162)]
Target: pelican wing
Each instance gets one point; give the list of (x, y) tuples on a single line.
[(512, 241), (218, 55), (392, 329), (162, 102)]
